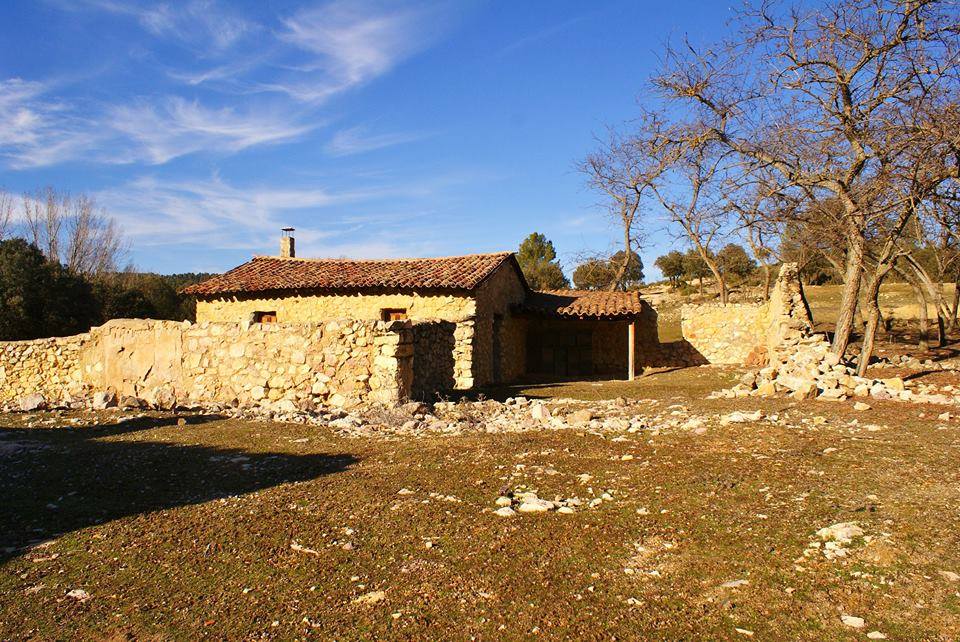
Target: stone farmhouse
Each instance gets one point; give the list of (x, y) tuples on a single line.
[(289, 334), (475, 319)]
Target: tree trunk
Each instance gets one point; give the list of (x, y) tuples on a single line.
[(766, 282), (873, 318), (956, 303), (622, 268), (934, 290), (717, 274), (923, 341), (848, 301)]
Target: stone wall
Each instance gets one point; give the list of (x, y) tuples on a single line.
[(282, 366), (610, 347), (496, 298), (725, 333), (51, 368), (319, 307), (750, 334)]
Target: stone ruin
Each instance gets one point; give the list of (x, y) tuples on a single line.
[(798, 362)]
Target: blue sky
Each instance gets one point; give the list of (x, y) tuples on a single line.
[(374, 128)]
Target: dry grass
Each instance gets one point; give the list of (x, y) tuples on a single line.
[(185, 532)]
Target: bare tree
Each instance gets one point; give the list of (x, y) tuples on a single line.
[(838, 100), (73, 231), (761, 210), (618, 172), (7, 206), (685, 180)]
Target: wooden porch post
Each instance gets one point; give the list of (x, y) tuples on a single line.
[(631, 346)]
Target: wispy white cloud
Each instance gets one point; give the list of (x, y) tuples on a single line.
[(357, 140), (156, 211), (203, 23), (37, 130), (177, 127), (542, 34), (351, 42), (309, 56), (219, 215)]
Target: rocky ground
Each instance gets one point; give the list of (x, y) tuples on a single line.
[(609, 509)]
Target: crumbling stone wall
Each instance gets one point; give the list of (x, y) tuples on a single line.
[(282, 366), (746, 333)]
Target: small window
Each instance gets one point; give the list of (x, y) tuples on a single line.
[(265, 317), (393, 314)]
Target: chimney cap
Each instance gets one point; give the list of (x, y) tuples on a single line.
[(287, 230)]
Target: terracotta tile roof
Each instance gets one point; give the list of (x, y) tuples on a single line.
[(585, 304), (271, 273)]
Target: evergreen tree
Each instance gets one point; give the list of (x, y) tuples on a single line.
[(538, 260)]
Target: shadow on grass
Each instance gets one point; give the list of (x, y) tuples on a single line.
[(54, 481)]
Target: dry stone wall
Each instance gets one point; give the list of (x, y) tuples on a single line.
[(48, 368), (750, 334), (279, 366), (725, 333)]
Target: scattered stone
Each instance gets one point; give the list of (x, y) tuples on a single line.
[(861, 406), (535, 505), (739, 417), (584, 416), (876, 635), (950, 576), (843, 532), (303, 549), (103, 400), (370, 598), (31, 403), (128, 402), (504, 501), (79, 594), (853, 621), (506, 511), (735, 583), (539, 412)]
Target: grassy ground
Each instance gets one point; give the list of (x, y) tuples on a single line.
[(185, 532), (897, 302)]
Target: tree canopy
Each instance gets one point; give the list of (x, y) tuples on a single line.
[(671, 266), (39, 298), (601, 273), (538, 260)]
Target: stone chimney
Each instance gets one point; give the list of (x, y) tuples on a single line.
[(287, 247)]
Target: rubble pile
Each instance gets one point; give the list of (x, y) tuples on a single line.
[(808, 369)]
